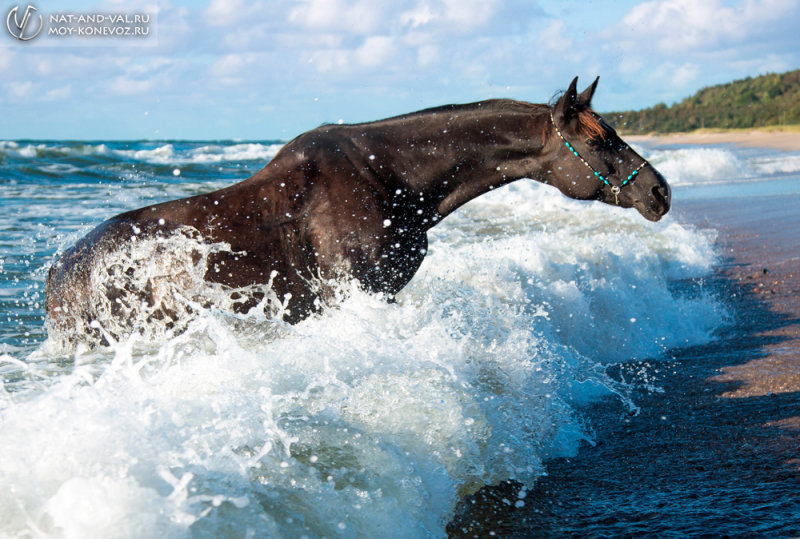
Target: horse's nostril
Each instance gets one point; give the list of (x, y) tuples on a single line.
[(661, 193)]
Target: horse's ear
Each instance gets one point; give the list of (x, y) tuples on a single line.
[(586, 96), (564, 107)]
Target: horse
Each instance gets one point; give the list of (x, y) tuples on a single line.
[(347, 201)]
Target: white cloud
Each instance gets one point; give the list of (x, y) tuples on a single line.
[(427, 55), (230, 12), (769, 63), (5, 58), (177, 28), (18, 90), (664, 50), (419, 16), (127, 86), (555, 36), (140, 78), (685, 75), (58, 94), (44, 66), (674, 76), (632, 65), (231, 68), (375, 51), (364, 35), (228, 65), (676, 27), (468, 14), (365, 58), (359, 17), (452, 16), (329, 60)]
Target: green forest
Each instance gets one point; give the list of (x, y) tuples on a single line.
[(766, 100)]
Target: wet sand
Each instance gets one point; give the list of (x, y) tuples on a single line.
[(717, 453), (778, 140)]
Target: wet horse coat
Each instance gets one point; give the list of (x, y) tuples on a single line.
[(356, 201)]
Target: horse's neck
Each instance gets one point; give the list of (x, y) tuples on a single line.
[(449, 158)]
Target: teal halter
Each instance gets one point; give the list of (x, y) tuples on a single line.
[(614, 188)]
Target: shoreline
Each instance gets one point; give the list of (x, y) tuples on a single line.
[(777, 140), (717, 451), (762, 257)]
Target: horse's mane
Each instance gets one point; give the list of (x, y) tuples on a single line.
[(590, 125)]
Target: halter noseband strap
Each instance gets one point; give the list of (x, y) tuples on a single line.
[(614, 188)]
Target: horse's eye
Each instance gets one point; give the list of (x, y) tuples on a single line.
[(598, 143)]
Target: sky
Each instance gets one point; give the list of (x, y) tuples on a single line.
[(266, 70)]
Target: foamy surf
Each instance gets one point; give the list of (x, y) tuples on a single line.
[(154, 153), (373, 418), (721, 165), (209, 153)]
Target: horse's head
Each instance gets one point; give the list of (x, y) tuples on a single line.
[(593, 163)]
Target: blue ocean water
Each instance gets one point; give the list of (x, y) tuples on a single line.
[(373, 418), (54, 192)]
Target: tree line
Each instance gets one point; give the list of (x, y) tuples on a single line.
[(766, 100)]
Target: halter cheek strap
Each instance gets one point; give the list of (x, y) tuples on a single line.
[(615, 189)]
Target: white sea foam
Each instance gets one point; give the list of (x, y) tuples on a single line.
[(212, 153), (689, 166), (782, 164), (30, 151), (236, 152), (162, 154), (372, 419), (709, 166)]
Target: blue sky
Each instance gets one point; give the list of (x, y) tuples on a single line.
[(230, 69)]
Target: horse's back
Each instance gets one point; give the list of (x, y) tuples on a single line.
[(313, 215)]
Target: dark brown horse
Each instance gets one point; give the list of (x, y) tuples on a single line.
[(353, 201)]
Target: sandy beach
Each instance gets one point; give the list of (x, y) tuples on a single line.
[(780, 140), (715, 451)]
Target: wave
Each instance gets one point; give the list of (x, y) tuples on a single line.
[(710, 166), (51, 150), (372, 418), (154, 153), (783, 164), (166, 154), (236, 152), (689, 166)]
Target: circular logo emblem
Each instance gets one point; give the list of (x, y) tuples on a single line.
[(22, 29)]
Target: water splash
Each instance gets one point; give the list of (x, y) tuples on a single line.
[(371, 418)]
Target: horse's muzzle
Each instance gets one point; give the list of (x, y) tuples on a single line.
[(657, 203)]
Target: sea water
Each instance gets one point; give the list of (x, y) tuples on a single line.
[(371, 419)]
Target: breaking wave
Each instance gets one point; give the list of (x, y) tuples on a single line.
[(372, 418), (713, 165)]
